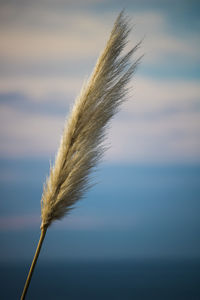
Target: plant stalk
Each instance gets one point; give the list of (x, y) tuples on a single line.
[(42, 236)]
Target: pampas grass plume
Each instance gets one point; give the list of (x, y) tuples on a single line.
[(81, 145)]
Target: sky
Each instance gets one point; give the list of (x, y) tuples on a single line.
[(48, 49)]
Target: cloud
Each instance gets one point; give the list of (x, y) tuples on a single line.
[(24, 134), (151, 96), (13, 223), (162, 46), (47, 52), (77, 223), (42, 37), (167, 139), (40, 88), (147, 95), (54, 36), (160, 123)]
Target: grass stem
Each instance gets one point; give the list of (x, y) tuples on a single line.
[(42, 236)]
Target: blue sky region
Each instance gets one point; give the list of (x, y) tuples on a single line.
[(147, 199)]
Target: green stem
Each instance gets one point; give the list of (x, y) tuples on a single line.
[(42, 236)]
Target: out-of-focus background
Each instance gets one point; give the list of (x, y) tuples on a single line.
[(137, 231)]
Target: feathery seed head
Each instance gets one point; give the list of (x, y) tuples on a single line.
[(81, 145)]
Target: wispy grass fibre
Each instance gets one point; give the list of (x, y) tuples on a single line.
[(81, 146)]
